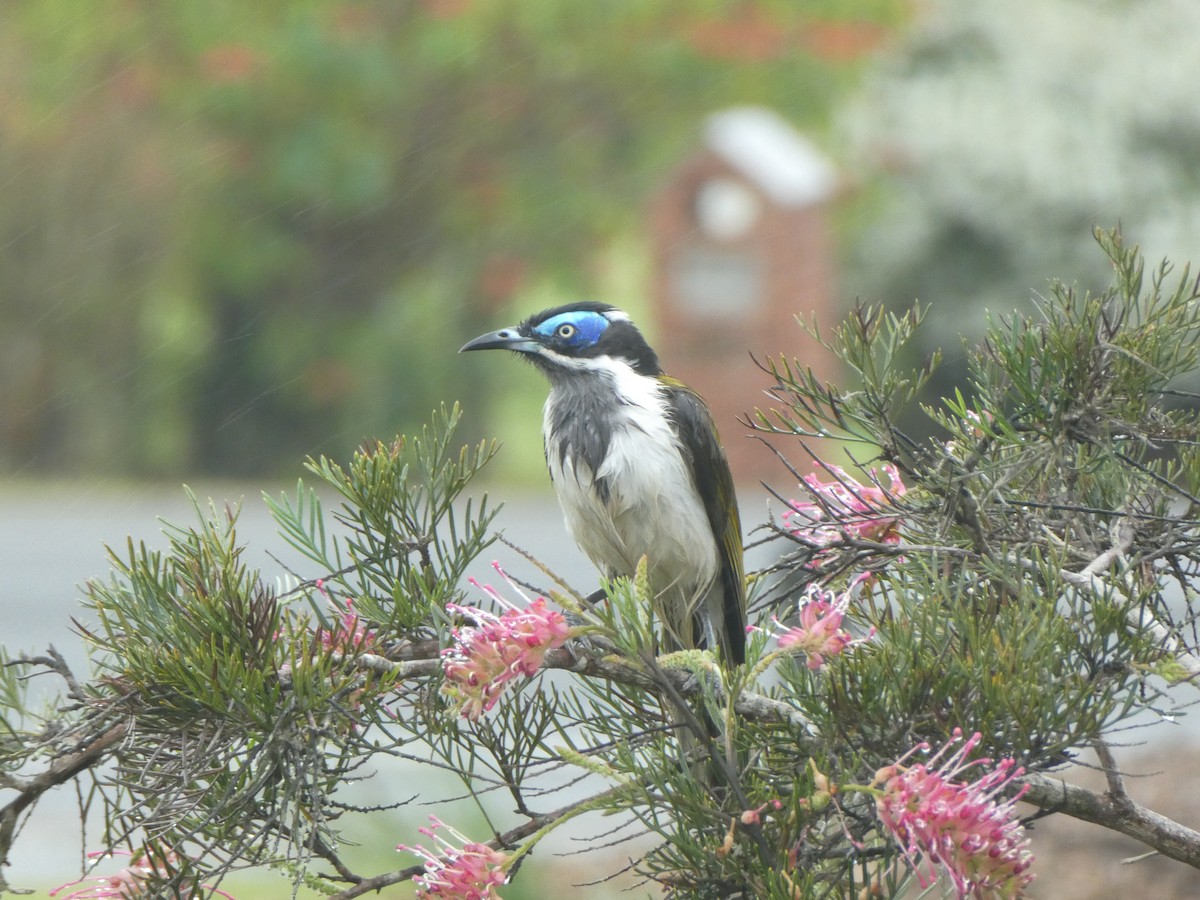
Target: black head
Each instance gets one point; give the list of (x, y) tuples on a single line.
[(574, 338)]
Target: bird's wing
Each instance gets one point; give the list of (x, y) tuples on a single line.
[(710, 472)]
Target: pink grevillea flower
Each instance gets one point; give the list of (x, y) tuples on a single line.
[(348, 633), (960, 826), (845, 509), (133, 882), (488, 655), (470, 872), (819, 634)]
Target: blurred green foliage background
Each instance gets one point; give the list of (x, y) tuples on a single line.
[(233, 234)]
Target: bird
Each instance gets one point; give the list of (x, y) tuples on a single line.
[(639, 470)]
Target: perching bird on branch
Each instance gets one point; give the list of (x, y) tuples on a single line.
[(639, 469)]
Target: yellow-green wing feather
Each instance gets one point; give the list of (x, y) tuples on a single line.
[(710, 472)]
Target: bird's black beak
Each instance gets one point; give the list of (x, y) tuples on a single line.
[(504, 339)]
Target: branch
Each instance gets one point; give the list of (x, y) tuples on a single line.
[(55, 663), (749, 705), (1116, 813), (1112, 774), (1140, 618), (60, 771), (1088, 579), (1115, 809)]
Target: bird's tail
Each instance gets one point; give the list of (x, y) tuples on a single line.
[(702, 736), (689, 623)]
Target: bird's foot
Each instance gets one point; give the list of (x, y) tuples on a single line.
[(595, 598)]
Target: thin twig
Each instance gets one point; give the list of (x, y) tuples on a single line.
[(1108, 765), (1089, 579)]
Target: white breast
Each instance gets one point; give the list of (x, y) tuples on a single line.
[(652, 507)]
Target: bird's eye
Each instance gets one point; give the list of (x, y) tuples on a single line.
[(565, 330)]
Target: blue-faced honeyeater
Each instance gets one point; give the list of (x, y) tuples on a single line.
[(639, 469)]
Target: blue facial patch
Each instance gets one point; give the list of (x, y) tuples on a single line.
[(584, 328)]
